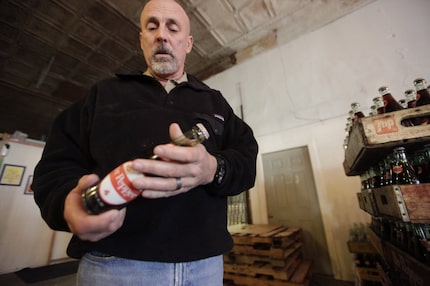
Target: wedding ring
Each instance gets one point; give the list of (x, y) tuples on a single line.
[(178, 183)]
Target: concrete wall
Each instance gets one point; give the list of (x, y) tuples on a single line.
[(299, 93)]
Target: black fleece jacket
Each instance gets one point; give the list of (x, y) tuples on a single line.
[(123, 118)]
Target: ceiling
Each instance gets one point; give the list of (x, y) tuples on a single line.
[(51, 51)]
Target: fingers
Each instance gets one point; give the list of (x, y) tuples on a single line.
[(83, 225), (102, 225), (174, 186), (155, 186), (193, 165)]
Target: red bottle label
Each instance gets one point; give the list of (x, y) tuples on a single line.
[(397, 169), (122, 184)]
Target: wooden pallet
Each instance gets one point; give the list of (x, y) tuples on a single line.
[(262, 235), (266, 255), (243, 255), (272, 253), (272, 241), (265, 269), (301, 277)]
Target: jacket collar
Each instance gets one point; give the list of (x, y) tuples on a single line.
[(139, 76)]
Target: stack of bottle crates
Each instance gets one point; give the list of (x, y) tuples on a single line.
[(389, 150)]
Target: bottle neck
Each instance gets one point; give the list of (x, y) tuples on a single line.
[(400, 156)]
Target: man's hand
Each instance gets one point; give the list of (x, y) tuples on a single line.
[(180, 169), (85, 226)]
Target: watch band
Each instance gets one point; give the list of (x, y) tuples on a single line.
[(220, 170)]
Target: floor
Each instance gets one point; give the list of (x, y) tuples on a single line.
[(13, 279)]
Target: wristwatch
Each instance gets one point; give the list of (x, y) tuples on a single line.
[(220, 170)]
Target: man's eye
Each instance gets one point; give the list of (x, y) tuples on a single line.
[(173, 28), (151, 27)]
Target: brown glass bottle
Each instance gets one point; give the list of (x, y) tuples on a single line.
[(403, 103), (388, 171), (421, 163), (390, 103), (402, 171), (423, 95), (115, 190), (423, 98), (379, 105), (426, 164), (356, 112), (411, 98)]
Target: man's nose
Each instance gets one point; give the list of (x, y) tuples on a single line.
[(161, 34)]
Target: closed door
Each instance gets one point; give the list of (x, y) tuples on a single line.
[(292, 201)]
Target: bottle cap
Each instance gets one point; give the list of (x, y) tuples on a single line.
[(410, 94), (420, 83), (378, 102), (203, 130), (384, 90)]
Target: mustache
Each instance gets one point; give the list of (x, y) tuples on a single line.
[(163, 49)]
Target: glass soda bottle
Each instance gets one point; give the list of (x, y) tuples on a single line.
[(425, 164), (418, 163), (373, 111), (379, 105), (403, 103), (411, 98), (115, 190), (402, 171), (423, 98), (423, 95), (388, 172), (356, 112), (390, 103)]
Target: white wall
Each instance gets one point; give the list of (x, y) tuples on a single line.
[(300, 93), (25, 239)]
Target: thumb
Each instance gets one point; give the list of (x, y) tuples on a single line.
[(175, 131)]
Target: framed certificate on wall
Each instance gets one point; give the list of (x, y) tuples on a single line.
[(11, 175)]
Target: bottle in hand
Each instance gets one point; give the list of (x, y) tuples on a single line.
[(115, 190)]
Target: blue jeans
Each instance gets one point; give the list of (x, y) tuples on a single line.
[(102, 270)]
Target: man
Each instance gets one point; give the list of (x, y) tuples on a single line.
[(175, 233)]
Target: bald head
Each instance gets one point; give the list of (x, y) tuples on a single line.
[(166, 7), (165, 38)]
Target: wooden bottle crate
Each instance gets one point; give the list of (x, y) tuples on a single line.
[(409, 203), (406, 267), (361, 247), (373, 137), (384, 278), (366, 201), (376, 241), (266, 255), (411, 269), (367, 274)]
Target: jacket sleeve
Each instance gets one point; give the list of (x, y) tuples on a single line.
[(239, 150), (64, 160)]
